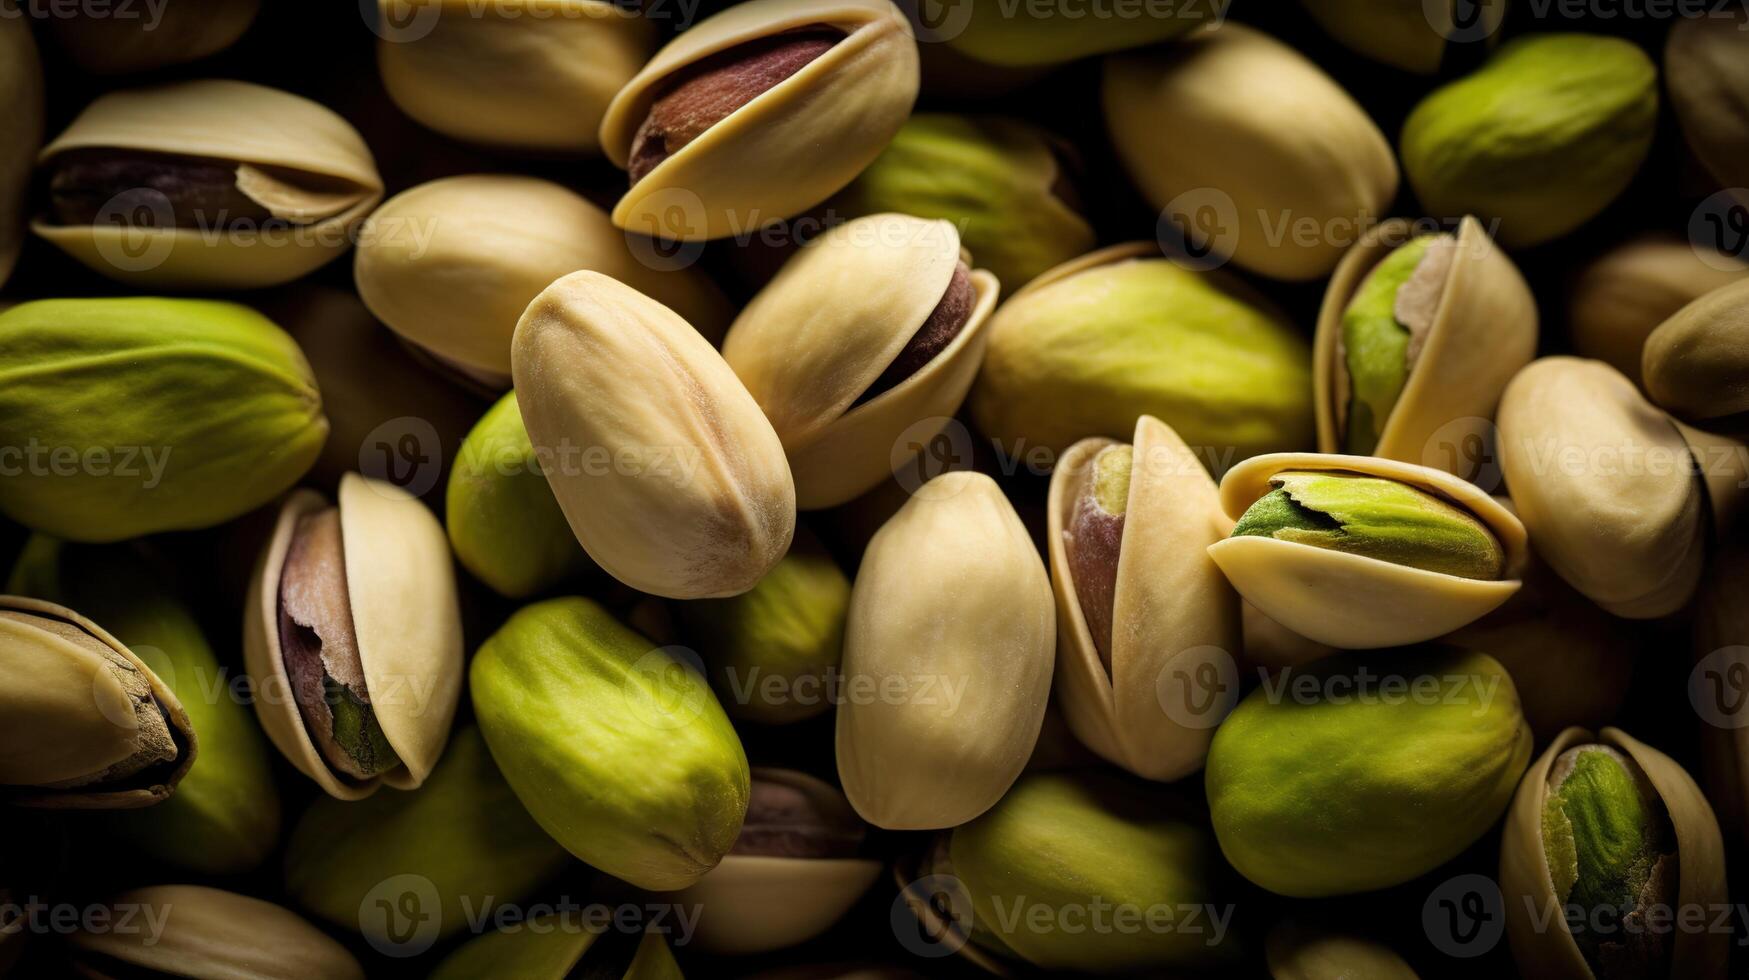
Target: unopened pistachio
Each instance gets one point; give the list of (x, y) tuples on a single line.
[(1620, 297), (1696, 364), (1707, 59), (107, 42), (21, 131)]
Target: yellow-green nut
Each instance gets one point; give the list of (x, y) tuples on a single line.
[(244, 186), (1417, 338), (206, 932), (1620, 297), (88, 724), (21, 131), (1363, 771), (105, 42), (1605, 485), (847, 382), (1540, 139), (1094, 344), (450, 265), (1030, 36), (1409, 34), (352, 638), (1138, 598), (554, 66), (1607, 836), (668, 472), (618, 749), (759, 113), (1315, 532), (1296, 951), (552, 948), (463, 831), (1291, 182), (1696, 364), (1707, 59)]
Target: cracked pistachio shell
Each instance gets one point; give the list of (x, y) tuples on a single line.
[(1696, 364), (1623, 295), (668, 472), (1541, 138), (807, 362), (1096, 343), (105, 41), (21, 130), (1354, 601), (186, 414), (1296, 951), (790, 148), (1402, 33), (1707, 59), (552, 948), (1025, 36), (1314, 157), (1171, 608), (1468, 323), (1316, 789), (450, 265), (952, 608), (616, 746), (1528, 866), (554, 66), (300, 160), (1722, 621), (401, 594), (206, 932), (1605, 485), (85, 723)]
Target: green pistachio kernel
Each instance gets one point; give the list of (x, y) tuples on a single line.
[(1376, 346)]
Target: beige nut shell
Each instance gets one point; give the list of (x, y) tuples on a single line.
[(1620, 297), (1172, 609), (21, 130), (836, 315), (401, 584), (1349, 601), (212, 933), (1707, 61)]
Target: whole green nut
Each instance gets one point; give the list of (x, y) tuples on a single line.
[(618, 749), (554, 948), (135, 416), (1696, 364), (1541, 138), (1376, 344), (1365, 771), (1034, 35)]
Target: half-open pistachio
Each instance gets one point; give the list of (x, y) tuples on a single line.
[(21, 130)]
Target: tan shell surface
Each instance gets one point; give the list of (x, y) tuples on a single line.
[(206, 932), (1695, 363), (1623, 295), (1707, 60), (21, 131)]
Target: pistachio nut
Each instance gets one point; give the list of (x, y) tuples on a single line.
[(1417, 338), (1362, 552), (952, 608), (847, 383), (450, 265), (1695, 363), (759, 113), (1363, 771), (1096, 343), (1623, 295), (1138, 598), (1409, 34), (352, 637), (1028, 35), (1540, 139), (206, 185), (463, 831), (1270, 645), (86, 723), (1296, 951), (21, 130), (1000, 181), (184, 414), (1612, 842), (1720, 624), (794, 871), (554, 66), (1605, 485), (551, 948), (206, 932), (694, 499), (1315, 159), (1707, 59), (618, 749), (109, 41)]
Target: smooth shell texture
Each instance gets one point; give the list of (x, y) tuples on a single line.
[(806, 361), (547, 950), (1605, 485), (107, 42), (789, 149), (554, 66), (669, 473), (951, 608), (213, 933), (1025, 36), (1296, 952), (1529, 892), (1173, 610), (1623, 295), (183, 413), (1483, 332), (1696, 364), (1349, 601), (1399, 33), (21, 131), (1707, 59), (1235, 113)]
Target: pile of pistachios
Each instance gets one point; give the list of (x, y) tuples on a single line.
[(808, 489)]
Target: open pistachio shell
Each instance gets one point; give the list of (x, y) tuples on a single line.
[(1353, 601), (1605, 485), (1537, 921), (1296, 951), (790, 147), (1406, 34), (298, 162), (106, 42), (1316, 157), (1696, 364), (21, 130), (206, 932), (551, 948), (952, 610), (399, 590), (1170, 608), (836, 324), (1620, 297), (1471, 324), (1707, 59)]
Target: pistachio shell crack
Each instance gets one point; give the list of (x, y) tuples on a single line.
[(785, 819), (203, 192), (945, 322), (1384, 329), (1094, 539)]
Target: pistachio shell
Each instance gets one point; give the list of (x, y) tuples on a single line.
[(1400, 33), (1696, 364), (206, 932), (952, 609), (21, 131), (1314, 158), (1027, 35), (1297, 952), (107, 42), (549, 948), (1624, 294), (1707, 59), (682, 489)]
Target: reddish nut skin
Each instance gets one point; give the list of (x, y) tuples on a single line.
[(1095, 540), (945, 322), (202, 192)]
